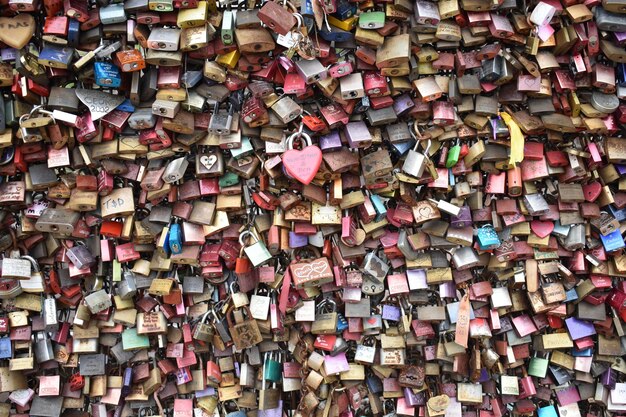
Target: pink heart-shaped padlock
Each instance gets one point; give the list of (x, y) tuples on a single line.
[(592, 191), (541, 229)]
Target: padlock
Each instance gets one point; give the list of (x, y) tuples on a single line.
[(257, 252)]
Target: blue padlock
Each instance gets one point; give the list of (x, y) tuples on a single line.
[(571, 295), (126, 106), (55, 56), (336, 35), (403, 147), (379, 207), (582, 353), (73, 33), (613, 241), (547, 411), (619, 214), (175, 239), (306, 9), (488, 238), (621, 74), (107, 75), (342, 323), (345, 10), (5, 348)]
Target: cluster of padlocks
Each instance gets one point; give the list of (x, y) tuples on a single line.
[(315, 208)]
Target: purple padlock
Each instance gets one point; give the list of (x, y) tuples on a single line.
[(620, 37), (358, 135), (413, 399), (402, 104), (608, 378), (8, 54), (391, 312), (463, 219), (578, 328), (621, 169), (447, 290), (330, 142), (297, 240), (416, 279)]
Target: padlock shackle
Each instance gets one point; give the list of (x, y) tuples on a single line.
[(246, 233), (299, 135)]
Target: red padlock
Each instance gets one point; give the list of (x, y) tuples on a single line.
[(77, 382)]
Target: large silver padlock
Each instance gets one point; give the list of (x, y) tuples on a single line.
[(286, 109), (50, 320), (536, 204), (415, 162), (575, 239), (43, 348), (80, 256), (16, 267), (175, 170), (464, 258), (257, 253), (375, 267), (98, 301), (311, 70), (128, 287), (220, 123)]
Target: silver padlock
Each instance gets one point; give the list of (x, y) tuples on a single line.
[(536, 204), (575, 239), (220, 123), (113, 13), (415, 162), (165, 108), (257, 253), (194, 102), (98, 301), (351, 86), (404, 246), (379, 117), (128, 287), (375, 267), (29, 134), (164, 39), (80, 256), (311, 70), (175, 170), (398, 132), (247, 375), (15, 267), (50, 320), (43, 348), (142, 118), (286, 109), (464, 258)]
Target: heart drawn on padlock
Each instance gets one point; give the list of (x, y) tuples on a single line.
[(302, 165), (208, 161), (541, 229), (17, 31), (592, 191)]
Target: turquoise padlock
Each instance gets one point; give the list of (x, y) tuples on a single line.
[(488, 238), (547, 411), (272, 368)]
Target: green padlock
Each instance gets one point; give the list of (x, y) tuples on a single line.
[(228, 179), (372, 20), (272, 368), (538, 367), (453, 156)]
